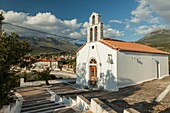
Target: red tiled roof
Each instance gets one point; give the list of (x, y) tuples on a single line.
[(129, 46), (43, 60)]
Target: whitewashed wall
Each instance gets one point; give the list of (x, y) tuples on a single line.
[(136, 67), (106, 73), (43, 63)]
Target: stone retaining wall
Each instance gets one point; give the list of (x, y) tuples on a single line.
[(37, 83)]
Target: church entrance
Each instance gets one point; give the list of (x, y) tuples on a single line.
[(158, 69), (93, 73)]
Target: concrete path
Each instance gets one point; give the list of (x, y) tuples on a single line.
[(163, 94)]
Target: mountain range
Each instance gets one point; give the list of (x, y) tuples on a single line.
[(50, 45), (159, 39)]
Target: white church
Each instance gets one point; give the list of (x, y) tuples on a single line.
[(113, 64)]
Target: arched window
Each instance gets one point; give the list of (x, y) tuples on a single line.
[(95, 33), (93, 19), (93, 61), (91, 34)]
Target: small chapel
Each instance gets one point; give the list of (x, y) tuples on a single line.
[(112, 64)]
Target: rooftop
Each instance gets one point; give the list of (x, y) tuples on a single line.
[(129, 46)]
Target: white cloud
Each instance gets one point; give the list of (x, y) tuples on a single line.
[(14, 17), (154, 20), (84, 29), (72, 24), (148, 29), (127, 25), (115, 21), (86, 24), (49, 23), (41, 21), (75, 35), (135, 20), (109, 32), (162, 7), (144, 12)]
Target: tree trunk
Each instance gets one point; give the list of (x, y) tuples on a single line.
[(46, 81)]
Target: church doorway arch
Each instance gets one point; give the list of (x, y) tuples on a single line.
[(93, 73)]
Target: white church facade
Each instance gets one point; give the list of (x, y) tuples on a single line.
[(113, 64)]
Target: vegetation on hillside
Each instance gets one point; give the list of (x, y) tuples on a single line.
[(159, 39)]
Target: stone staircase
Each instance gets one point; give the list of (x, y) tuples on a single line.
[(40, 105), (63, 104), (59, 99)]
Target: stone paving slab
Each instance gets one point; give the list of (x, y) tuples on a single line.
[(65, 110)]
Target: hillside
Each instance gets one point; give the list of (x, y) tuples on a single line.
[(159, 39), (48, 45)]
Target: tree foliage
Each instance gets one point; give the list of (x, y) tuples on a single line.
[(45, 75), (1, 18), (12, 49)]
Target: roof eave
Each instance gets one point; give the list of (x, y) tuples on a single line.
[(165, 53)]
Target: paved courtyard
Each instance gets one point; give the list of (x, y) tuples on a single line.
[(140, 97)]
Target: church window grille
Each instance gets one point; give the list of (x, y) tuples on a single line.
[(93, 61)]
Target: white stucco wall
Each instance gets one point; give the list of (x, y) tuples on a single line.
[(41, 64), (106, 72), (128, 68), (136, 67), (54, 64)]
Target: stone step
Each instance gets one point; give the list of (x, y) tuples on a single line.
[(36, 96), (57, 110), (36, 103), (39, 106), (65, 110), (58, 88), (44, 109), (29, 90), (88, 111), (34, 100), (76, 91)]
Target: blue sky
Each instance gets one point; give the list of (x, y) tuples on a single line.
[(127, 20)]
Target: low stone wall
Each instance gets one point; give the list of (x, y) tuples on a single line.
[(71, 75), (130, 110), (16, 106), (37, 83), (97, 106), (82, 103)]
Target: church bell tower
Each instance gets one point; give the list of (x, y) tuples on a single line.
[(95, 29)]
